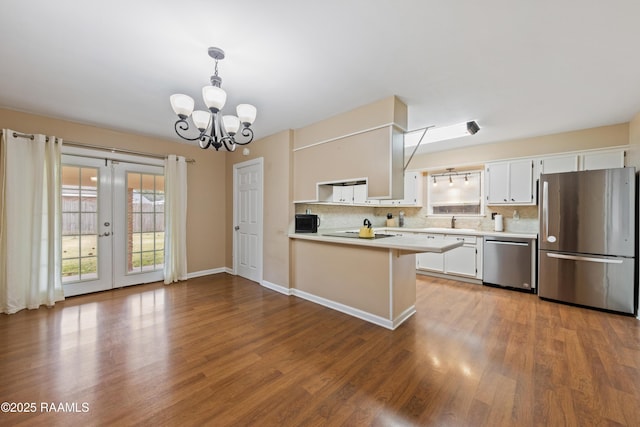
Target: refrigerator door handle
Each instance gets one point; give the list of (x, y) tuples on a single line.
[(545, 213), (585, 258)]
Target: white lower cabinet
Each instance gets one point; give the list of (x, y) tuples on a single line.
[(465, 260), (461, 261), (432, 261)]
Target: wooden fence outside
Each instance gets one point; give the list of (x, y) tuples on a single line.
[(80, 216)]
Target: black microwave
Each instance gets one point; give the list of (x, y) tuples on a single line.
[(307, 223)]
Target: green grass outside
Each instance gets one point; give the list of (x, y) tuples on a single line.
[(77, 260)]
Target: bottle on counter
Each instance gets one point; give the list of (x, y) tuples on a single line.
[(401, 219)]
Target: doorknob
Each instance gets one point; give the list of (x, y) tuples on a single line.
[(105, 234), (237, 227)]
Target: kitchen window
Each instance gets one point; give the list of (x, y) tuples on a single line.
[(455, 193)]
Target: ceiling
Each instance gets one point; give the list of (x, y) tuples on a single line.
[(519, 69)]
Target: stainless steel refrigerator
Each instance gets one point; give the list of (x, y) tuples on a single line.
[(587, 249)]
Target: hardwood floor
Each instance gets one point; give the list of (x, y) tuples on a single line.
[(221, 350)]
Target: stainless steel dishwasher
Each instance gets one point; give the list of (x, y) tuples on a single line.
[(508, 262)]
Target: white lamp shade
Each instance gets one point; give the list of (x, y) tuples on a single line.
[(231, 124), (214, 97), (246, 113), (201, 119), (182, 104)]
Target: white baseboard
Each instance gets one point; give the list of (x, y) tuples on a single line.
[(351, 311), (355, 312), (201, 273), (450, 277), (278, 288), (404, 316)]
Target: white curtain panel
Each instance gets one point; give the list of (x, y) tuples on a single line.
[(175, 219), (30, 222)]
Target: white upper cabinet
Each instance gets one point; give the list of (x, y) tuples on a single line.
[(603, 160), (343, 193), (412, 191), (497, 182), (360, 195), (557, 164), (510, 183), (521, 182), (590, 160)]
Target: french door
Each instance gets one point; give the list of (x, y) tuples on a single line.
[(112, 224)]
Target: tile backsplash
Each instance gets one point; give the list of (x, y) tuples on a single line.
[(522, 219)]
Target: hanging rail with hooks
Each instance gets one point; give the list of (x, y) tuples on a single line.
[(97, 147)]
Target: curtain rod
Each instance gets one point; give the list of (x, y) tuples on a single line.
[(98, 147), (25, 135)]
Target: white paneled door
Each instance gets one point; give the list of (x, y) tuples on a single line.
[(112, 224), (248, 222)]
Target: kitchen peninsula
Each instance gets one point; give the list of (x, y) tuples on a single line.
[(372, 279)]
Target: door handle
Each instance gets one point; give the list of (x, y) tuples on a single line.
[(585, 258), (237, 227), (545, 213), (105, 234)]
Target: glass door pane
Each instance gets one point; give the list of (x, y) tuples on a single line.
[(79, 223), (86, 211), (145, 218), (141, 236)]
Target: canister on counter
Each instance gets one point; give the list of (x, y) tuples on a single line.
[(499, 223)]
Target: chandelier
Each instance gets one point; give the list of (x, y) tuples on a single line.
[(215, 130)]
